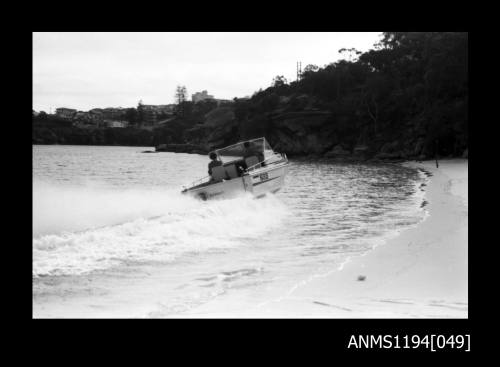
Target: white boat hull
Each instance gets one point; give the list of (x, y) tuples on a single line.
[(268, 179)]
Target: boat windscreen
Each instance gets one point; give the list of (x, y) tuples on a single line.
[(238, 151)]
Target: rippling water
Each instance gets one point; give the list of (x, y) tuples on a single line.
[(113, 236)]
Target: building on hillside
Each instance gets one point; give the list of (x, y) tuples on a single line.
[(164, 109), (113, 113), (201, 96), (66, 113), (82, 117), (115, 123), (204, 96), (89, 119), (96, 115), (246, 98), (223, 102)]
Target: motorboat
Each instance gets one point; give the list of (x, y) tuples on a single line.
[(248, 166)]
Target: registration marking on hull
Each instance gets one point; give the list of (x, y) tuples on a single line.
[(261, 182)]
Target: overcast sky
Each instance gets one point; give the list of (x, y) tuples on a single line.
[(90, 70)]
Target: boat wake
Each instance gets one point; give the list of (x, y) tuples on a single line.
[(79, 230)]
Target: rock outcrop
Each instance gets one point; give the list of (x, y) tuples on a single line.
[(181, 148), (338, 152)]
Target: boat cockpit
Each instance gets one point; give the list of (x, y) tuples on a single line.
[(240, 159)]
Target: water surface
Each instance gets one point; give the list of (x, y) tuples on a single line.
[(113, 236)]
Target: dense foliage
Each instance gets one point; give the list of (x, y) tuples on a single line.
[(411, 89), (49, 129)]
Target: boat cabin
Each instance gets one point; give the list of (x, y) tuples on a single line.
[(244, 165), (242, 157)]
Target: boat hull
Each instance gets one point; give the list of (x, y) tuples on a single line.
[(268, 179), (221, 190)]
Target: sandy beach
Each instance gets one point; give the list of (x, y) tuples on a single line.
[(421, 273)]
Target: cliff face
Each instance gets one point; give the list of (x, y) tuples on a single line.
[(300, 133), (295, 133), (218, 129), (317, 133)]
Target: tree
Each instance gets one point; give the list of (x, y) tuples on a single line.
[(352, 53), (180, 94), (140, 112), (180, 99), (269, 102), (279, 81), (310, 68), (131, 115)]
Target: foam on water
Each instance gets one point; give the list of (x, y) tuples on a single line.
[(94, 229), (111, 228), (58, 208)]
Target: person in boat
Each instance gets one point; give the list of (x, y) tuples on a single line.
[(213, 163), (250, 150)]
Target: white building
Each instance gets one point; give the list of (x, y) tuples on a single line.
[(201, 96), (115, 123), (66, 113)]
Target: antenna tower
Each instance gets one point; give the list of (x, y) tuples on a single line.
[(299, 70)]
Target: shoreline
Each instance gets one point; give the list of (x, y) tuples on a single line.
[(193, 149), (420, 273)]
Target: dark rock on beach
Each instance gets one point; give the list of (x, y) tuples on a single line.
[(338, 152), (181, 148)]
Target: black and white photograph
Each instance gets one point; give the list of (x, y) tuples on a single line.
[(250, 175)]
